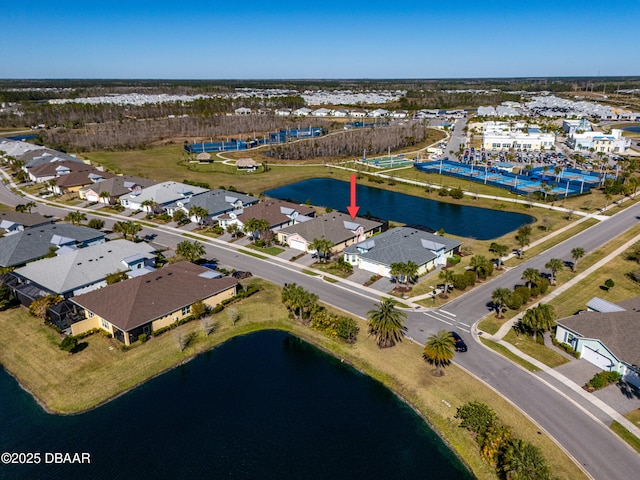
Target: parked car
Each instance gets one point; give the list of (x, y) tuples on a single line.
[(460, 345), (241, 275)]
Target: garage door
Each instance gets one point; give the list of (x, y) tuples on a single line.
[(298, 245), (596, 358), (632, 377)]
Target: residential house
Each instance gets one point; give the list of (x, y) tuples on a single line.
[(358, 113), (217, 202), (15, 148), (341, 113), (160, 194), (336, 227), (607, 338), (278, 213), (82, 270), (321, 112), (115, 187), (283, 112), (242, 111), (400, 114), (379, 112), (401, 245), (141, 305), (32, 244), (74, 181), (302, 112), (18, 221)]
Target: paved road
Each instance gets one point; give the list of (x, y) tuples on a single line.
[(571, 422)]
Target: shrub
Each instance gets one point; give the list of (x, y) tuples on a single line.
[(217, 309), (455, 259), (515, 301), (635, 276), (470, 275), (460, 281), (456, 193), (543, 285), (602, 379), (347, 329), (443, 192), (142, 337), (524, 292), (69, 344)]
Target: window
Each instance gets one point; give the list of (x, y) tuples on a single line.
[(90, 314), (185, 310), (105, 324)]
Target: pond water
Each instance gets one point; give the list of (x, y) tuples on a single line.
[(262, 406), (472, 222), (633, 128)]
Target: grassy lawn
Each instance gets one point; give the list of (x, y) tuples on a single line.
[(505, 352), (491, 324), (70, 383), (332, 269), (253, 254), (268, 250), (575, 299), (541, 353)]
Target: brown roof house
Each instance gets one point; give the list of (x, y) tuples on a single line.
[(108, 191), (336, 227), (277, 212), (144, 304)]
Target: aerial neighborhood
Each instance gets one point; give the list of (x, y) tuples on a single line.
[(494, 239)]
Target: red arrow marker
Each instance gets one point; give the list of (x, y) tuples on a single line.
[(353, 208)]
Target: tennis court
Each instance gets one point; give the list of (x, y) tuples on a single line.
[(387, 162)]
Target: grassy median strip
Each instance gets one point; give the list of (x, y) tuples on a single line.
[(71, 383), (626, 435), (253, 254)]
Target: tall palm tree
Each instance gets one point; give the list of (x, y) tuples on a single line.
[(190, 251), (199, 213), (576, 254), (522, 460), (499, 250), (555, 265), (532, 276), (481, 266), (29, 206), (540, 318), (386, 323), (299, 301), (439, 351), (127, 228), (75, 218), (255, 226), (523, 236), (499, 297), (105, 197), (410, 271), (323, 247), (148, 206), (447, 276)]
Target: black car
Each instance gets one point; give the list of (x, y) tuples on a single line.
[(460, 345), (241, 275)]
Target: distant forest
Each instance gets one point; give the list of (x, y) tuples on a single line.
[(81, 127)]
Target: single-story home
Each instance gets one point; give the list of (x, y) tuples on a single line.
[(608, 339), (82, 270), (278, 213), (160, 194), (336, 227), (216, 202), (401, 245), (22, 247), (18, 221), (141, 305), (115, 187)]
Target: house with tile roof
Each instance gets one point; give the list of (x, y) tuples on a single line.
[(82, 270), (217, 202), (401, 245), (336, 227), (607, 338), (26, 246), (142, 305), (278, 213)]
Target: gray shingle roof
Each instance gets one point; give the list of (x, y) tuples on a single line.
[(401, 245), (600, 305), (336, 227), (25, 219), (617, 330), (218, 201), (83, 266), (32, 244)]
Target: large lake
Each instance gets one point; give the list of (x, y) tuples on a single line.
[(263, 406), (634, 129), (471, 222)]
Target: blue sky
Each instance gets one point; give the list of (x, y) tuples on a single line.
[(246, 39)]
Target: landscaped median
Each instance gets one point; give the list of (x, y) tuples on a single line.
[(66, 383)]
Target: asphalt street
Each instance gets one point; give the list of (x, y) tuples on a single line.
[(570, 421)]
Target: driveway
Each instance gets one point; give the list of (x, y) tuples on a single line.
[(622, 397), (578, 371)]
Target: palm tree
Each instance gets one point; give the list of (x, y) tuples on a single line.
[(540, 318), (532, 276), (447, 276), (481, 266), (523, 236), (127, 228), (105, 197), (410, 271), (323, 247), (555, 265), (21, 208), (75, 218), (576, 254), (439, 351), (255, 226), (499, 250), (190, 251), (148, 206), (499, 297), (396, 270), (199, 213), (29, 206), (299, 301), (386, 323), (522, 461)]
